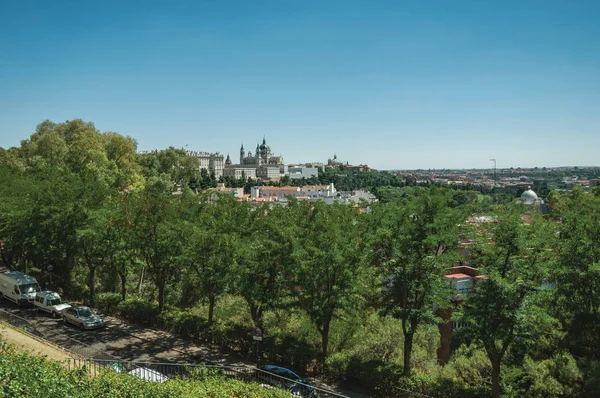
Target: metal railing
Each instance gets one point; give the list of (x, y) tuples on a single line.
[(159, 372), (69, 344), (19, 322), (95, 360)]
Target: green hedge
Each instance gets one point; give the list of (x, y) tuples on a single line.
[(108, 302), (25, 375)]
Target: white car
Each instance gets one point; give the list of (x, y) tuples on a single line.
[(50, 302), (149, 374)]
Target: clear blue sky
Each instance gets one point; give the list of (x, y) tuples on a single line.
[(394, 84)]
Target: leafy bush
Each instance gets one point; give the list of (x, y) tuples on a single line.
[(138, 310), (25, 375), (108, 302), (469, 366), (184, 323)]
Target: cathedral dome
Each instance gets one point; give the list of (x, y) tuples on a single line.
[(529, 197), (264, 147)]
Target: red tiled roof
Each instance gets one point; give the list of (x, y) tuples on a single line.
[(457, 276)]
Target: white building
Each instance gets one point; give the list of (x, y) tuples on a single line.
[(274, 192), (211, 162), (318, 191), (296, 172), (238, 172), (262, 164)]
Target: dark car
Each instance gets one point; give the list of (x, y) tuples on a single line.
[(286, 379)]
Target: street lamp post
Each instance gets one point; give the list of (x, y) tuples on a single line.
[(49, 268), (495, 175)]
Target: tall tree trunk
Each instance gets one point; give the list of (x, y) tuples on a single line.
[(92, 286), (496, 378), (123, 285), (325, 340), (161, 296), (408, 344), (141, 281), (211, 311), (255, 313), (211, 307)]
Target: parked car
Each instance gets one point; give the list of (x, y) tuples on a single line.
[(286, 379), (18, 287), (83, 317), (143, 373), (50, 302), (148, 374)]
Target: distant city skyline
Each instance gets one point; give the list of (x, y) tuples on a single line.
[(392, 84)]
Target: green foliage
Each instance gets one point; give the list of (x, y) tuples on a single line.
[(577, 276), (138, 310), (184, 323), (515, 265), (327, 283), (108, 302), (23, 375), (411, 246)]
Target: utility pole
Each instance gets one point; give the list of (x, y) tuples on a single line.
[(495, 174)]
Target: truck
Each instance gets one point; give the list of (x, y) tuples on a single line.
[(19, 288), (50, 302)]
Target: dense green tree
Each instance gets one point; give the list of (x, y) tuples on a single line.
[(264, 250), (328, 272), (514, 258), (577, 276), (211, 247), (96, 243), (411, 245), (157, 232)]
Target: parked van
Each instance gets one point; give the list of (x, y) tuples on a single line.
[(50, 302), (18, 287)]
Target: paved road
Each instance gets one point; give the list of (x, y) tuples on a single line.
[(131, 342)]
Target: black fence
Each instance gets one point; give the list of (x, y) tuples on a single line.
[(69, 344), (19, 322), (160, 372), (96, 361)]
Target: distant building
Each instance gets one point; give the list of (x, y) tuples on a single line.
[(296, 172), (262, 164), (239, 172), (462, 281), (318, 191), (360, 167), (211, 162), (274, 192), (237, 193), (335, 162), (530, 199)]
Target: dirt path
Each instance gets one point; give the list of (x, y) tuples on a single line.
[(34, 346)]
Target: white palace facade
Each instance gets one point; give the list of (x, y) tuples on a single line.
[(262, 164)]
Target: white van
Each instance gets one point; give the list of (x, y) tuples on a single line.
[(50, 302), (18, 287)]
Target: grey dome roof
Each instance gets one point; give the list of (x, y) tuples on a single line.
[(529, 196)]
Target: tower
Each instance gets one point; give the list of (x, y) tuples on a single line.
[(257, 154), (228, 160), (242, 153)]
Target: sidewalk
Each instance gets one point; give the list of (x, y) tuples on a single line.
[(177, 349)]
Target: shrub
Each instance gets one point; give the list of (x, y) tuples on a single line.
[(108, 302), (184, 323), (25, 375), (138, 310)]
